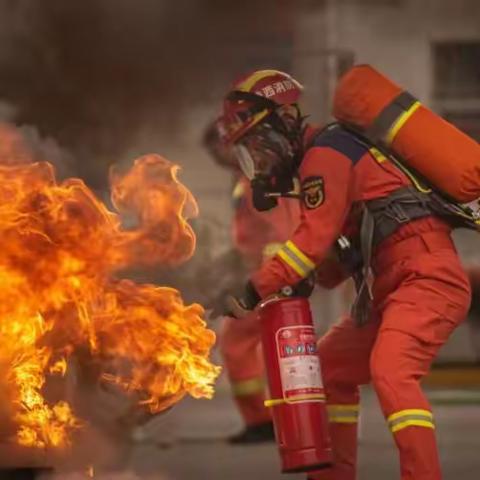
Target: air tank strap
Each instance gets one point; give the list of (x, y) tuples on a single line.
[(400, 207), (381, 218), (361, 307), (391, 119)]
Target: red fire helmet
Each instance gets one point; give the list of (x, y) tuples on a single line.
[(253, 97)]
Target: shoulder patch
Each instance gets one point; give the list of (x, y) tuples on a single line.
[(313, 192), (341, 140)]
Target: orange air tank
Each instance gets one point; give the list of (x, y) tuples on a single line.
[(389, 116)]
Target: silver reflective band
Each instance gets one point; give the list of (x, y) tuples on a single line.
[(245, 161), (343, 413), (296, 259), (410, 418)]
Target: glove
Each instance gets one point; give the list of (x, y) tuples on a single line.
[(235, 307), (241, 306)]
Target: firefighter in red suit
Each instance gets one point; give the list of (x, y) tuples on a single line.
[(256, 237), (411, 289)]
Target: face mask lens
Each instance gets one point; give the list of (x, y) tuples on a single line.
[(270, 142), (277, 143), (245, 161)]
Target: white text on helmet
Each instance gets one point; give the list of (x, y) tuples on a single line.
[(277, 87)]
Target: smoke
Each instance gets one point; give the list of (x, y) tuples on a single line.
[(104, 77), (105, 81), (20, 145)]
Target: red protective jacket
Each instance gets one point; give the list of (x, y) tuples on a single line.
[(337, 173)]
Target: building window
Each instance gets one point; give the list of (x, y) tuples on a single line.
[(468, 122), (456, 70)]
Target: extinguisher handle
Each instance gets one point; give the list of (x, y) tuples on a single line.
[(304, 288), (287, 291)]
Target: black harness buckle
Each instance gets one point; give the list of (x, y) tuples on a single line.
[(399, 213)]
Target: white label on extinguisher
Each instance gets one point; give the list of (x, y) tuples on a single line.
[(298, 359)]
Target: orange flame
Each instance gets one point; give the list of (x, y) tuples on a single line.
[(60, 247)]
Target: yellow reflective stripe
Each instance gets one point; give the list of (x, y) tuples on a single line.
[(298, 398), (413, 417), (380, 158), (411, 411), (400, 122), (377, 155), (342, 419), (343, 408), (412, 178), (292, 247), (412, 423), (257, 117), (270, 249), (291, 263), (248, 387), (296, 259), (239, 190), (343, 413), (249, 82)]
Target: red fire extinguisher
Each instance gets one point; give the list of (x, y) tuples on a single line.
[(297, 396)]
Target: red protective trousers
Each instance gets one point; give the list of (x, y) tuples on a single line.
[(240, 343), (421, 294)]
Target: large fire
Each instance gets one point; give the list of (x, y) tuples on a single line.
[(60, 248)]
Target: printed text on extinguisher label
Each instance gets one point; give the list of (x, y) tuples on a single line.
[(298, 360)]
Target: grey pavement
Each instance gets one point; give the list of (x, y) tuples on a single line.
[(201, 454)]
